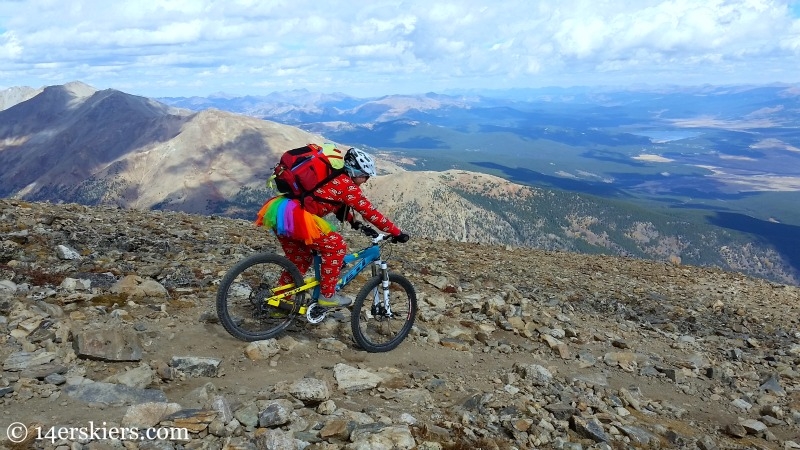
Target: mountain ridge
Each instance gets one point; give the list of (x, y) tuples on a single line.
[(110, 148)]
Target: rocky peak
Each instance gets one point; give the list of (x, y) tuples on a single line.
[(16, 94)]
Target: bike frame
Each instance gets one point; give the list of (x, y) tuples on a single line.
[(359, 260)]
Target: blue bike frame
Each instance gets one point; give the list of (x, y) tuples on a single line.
[(353, 264), (360, 261)]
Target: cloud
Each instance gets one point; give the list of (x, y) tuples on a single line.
[(390, 46), (652, 158), (10, 47)]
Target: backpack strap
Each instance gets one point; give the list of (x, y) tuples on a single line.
[(335, 173)]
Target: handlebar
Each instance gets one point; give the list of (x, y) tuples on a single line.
[(370, 232), (376, 236), (385, 237)]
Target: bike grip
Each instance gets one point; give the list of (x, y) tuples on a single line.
[(401, 238)]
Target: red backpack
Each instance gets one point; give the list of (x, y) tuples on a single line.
[(301, 171)]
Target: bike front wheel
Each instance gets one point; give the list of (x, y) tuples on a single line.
[(377, 328), (241, 297)]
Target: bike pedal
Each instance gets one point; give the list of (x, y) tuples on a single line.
[(316, 313)]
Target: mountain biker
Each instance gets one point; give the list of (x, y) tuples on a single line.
[(302, 229)]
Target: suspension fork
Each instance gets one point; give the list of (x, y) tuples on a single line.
[(382, 268)]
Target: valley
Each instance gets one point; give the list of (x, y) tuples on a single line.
[(709, 173)]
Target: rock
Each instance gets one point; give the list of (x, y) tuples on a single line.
[(670, 372), (339, 429), (419, 397), (113, 394), (44, 371), (456, 344), (26, 360), (627, 361), (55, 379), (7, 288), (149, 414), (707, 443), (109, 345), (248, 415), (195, 366), (562, 411), (277, 439), (558, 346), (694, 361), (352, 379), (326, 408), (259, 350), (589, 428), (620, 343), (74, 284), (310, 391), (139, 288), (439, 282), (593, 379), (332, 345), (630, 399), (275, 413), (639, 435), (773, 385), (741, 404), (534, 374), (222, 406), (194, 420), (396, 437), (753, 426), (736, 430), (138, 377), (68, 253)]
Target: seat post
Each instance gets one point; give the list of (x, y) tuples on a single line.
[(317, 263)]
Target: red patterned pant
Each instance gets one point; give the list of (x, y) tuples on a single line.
[(331, 248)]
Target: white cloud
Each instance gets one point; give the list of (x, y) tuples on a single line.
[(652, 158), (10, 48), (355, 47)]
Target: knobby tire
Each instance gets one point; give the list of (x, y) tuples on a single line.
[(377, 334), (241, 308)]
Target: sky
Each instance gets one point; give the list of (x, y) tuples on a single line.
[(181, 48)]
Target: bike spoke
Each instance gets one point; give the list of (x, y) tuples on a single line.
[(241, 300), (374, 328)]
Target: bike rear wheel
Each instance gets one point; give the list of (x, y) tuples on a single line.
[(241, 297), (374, 328)]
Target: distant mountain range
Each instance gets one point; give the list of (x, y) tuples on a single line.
[(456, 167), (74, 143), (722, 155), (735, 149)]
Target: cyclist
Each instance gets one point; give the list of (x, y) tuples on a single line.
[(302, 229)]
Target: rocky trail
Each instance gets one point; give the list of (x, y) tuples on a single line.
[(107, 325)]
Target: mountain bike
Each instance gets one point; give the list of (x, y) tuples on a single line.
[(252, 304)]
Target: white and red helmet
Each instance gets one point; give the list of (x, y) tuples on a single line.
[(359, 163)]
